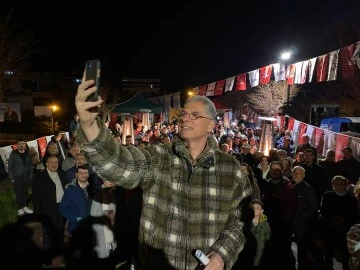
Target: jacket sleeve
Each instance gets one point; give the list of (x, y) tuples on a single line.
[(231, 240), (66, 205), (124, 166)]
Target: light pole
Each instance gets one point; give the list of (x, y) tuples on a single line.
[(53, 108), (286, 56)]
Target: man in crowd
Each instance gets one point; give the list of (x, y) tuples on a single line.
[(20, 170), (193, 195)]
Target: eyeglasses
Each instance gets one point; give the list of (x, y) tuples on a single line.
[(192, 115)]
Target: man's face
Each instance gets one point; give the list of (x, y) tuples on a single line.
[(52, 164), (305, 139), (157, 133), (275, 171), (82, 175), (309, 157), (128, 141), (21, 145), (80, 160), (347, 154), (257, 209), (298, 175), (52, 149), (330, 156), (74, 150), (193, 130)]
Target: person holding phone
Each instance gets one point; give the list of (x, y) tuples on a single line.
[(194, 196)]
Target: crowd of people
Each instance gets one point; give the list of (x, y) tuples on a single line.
[(171, 190)]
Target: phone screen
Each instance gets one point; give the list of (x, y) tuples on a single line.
[(92, 72)]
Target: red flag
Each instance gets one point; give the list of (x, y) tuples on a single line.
[(322, 67), (202, 90), (282, 122), (241, 82), (290, 74), (114, 118), (341, 142), (291, 124), (265, 74), (219, 87), (302, 131), (319, 139), (42, 145), (347, 65)]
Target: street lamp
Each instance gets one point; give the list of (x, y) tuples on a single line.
[(190, 93), (53, 108), (286, 56)]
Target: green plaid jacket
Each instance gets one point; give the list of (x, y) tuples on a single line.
[(185, 207)]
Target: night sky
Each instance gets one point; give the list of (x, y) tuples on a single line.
[(184, 43)]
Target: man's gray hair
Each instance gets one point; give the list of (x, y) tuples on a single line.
[(209, 105)]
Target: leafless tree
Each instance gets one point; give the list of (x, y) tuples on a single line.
[(269, 98), (111, 98), (15, 48)]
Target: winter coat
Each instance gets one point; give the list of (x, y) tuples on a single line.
[(186, 205)]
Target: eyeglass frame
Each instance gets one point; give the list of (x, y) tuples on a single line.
[(195, 115)]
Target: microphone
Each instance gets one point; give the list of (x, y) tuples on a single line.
[(202, 257)]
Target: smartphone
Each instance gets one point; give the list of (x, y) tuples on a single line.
[(92, 72)]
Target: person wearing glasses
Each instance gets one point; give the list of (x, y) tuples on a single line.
[(194, 195)]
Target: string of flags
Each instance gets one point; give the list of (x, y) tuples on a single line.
[(322, 139), (339, 64)]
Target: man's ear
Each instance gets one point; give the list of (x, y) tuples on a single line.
[(211, 126)]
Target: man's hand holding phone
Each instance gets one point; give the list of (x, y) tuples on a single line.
[(88, 110), (92, 72)]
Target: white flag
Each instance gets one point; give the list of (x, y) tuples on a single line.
[(279, 71), (333, 65), (304, 69), (254, 77), (33, 147), (329, 141), (210, 89), (355, 147), (5, 154), (310, 132), (229, 84), (48, 139), (295, 132), (298, 69), (312, 63), (195, 90), (356, 54)]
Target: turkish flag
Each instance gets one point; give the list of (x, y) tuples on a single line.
[(348, 68), (319, 139), (241, 82), (42, 145), (290, 74), (291, 124), (322, 67), (265, 74), (202, 90), (219, 87), (303, 127), (341, 142)]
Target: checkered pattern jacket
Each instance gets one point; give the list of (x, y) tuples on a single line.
[(185, 206)]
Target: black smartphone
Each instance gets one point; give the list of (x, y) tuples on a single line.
[(92, 72)]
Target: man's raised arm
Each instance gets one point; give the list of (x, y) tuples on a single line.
[(88, 110)]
